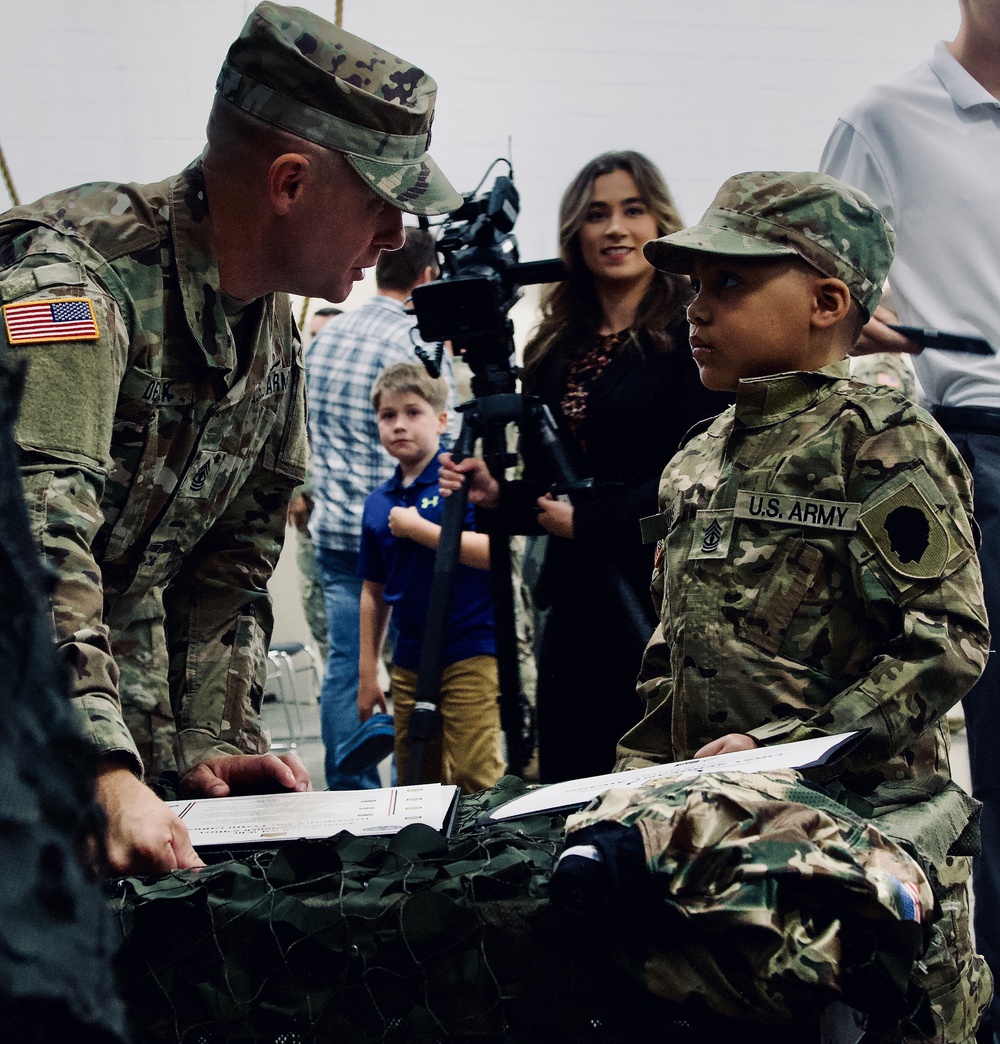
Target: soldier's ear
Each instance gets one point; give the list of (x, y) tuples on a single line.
[(831, 302), (285, 178)]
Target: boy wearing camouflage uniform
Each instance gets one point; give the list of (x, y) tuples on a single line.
[(162, 427), (815, 568)]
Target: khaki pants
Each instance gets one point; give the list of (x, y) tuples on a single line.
[(467, 752)]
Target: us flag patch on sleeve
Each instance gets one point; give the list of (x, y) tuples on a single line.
[(61, 319)]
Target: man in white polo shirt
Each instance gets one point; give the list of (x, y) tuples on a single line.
[(926, 148)]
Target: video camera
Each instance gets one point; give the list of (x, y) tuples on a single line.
[(481, 279)]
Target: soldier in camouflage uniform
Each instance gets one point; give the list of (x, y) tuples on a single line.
[(162, 428), (815, 568), (893, 371)]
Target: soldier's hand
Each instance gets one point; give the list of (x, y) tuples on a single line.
[(143, 835), (484, 490), (229, 774), (877, 337), (727, 744), (299, 510)]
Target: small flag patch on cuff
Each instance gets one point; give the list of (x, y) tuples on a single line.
[(61, 319)]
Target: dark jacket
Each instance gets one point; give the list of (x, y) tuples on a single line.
[(638, 410)]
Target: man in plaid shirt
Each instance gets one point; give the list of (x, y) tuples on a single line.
[(348, 462)]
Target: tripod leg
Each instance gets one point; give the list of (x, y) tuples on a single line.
[(516, 718), (425, 718), (516, 714)]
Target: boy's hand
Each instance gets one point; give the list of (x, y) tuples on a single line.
[(371, 699), (728, 744), (405, 522), (299, 509), (877, 337), (484, 490), (555, 516)]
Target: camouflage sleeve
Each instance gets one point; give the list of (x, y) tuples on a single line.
[(218, 610), (64, 433), (918, 578), (63, 505), (654, 682), (655, 688)]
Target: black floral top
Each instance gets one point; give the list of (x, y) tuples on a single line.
[(583, 371)]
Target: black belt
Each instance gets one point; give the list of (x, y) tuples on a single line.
[(982, 420)]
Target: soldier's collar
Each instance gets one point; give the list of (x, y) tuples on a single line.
[(762, 401), (197, 271)]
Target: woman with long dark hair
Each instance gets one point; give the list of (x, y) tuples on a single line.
[(610, 358)]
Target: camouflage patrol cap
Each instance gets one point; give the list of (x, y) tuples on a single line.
[(833, 227), (295, 70)]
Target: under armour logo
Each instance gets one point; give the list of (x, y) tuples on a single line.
[(713, 534), (429, 502)]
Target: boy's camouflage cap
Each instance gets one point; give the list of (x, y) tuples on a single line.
[(835, 228), (295, 70)]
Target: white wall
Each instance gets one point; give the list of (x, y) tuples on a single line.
[(95, 89), (120, 89)]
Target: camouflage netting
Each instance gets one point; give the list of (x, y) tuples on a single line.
[(407, 939), (55, 937), (420, 938)]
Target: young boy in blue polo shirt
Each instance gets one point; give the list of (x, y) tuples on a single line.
[(401, 527)]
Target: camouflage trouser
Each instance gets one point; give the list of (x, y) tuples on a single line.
[(140, 650), (955, 977), (942, 828), (312, 591)]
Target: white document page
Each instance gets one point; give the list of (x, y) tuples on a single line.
[(575, 793), (265, 818)]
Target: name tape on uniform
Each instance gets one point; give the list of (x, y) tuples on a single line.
[(60, 319), (801, 511)]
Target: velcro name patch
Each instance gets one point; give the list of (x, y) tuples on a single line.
[(783, 509), (59, 319)]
